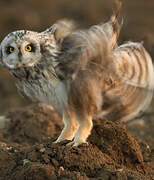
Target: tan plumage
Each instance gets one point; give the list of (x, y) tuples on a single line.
[(83, 74), (136, 74)]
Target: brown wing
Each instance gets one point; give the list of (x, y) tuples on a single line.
[(61, 28), (135, 69), (134, 65), (113, 26), (79, 48)]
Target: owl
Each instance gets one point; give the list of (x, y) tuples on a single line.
[(83, 74)]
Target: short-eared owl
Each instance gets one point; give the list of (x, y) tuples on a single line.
[(81, 73)]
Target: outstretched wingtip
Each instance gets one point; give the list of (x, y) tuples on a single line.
[(116, 21), (61, 28), (118, 5)]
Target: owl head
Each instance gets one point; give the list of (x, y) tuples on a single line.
[(27, 48), (21, 48)]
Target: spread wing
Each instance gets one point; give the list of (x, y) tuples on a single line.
[(79, 48), (61, 29), (134, 65)]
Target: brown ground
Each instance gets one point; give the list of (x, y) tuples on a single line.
[(27, 151), (26, 148)]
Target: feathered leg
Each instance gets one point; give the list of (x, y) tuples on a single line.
[(70, 127), (84, 129)]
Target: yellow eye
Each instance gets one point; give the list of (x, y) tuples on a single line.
[(10, 50), (28, 48)]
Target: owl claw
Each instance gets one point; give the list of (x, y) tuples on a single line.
[(70, 143), (76, 144), (55, 142)]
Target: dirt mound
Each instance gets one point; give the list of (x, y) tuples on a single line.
[(32, 124), (27, 151)]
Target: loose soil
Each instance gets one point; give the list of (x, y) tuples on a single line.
[(27, 151)]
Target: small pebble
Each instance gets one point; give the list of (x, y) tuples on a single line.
[(26, 161), (42, 150)]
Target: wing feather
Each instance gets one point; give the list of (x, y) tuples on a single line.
[(134, 65)]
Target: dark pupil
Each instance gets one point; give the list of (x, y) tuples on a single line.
[(32, 47), (9, 50)]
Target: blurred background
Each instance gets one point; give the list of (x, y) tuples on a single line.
[(38, 15)]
